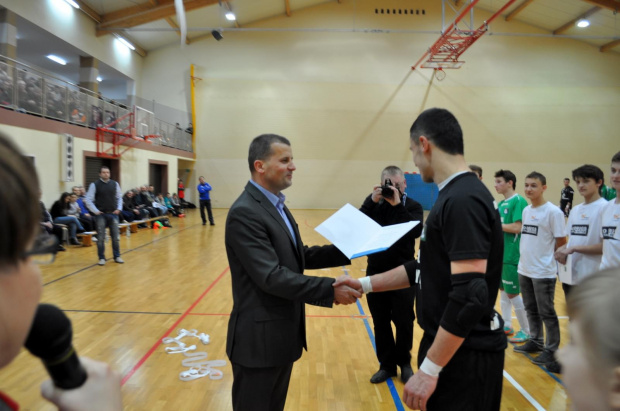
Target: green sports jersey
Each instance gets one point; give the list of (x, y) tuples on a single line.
[(510, 210)]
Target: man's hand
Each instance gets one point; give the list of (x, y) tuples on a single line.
[(86, 215), (562, 253), (100, 392), (376, 194), (48, 224), (117, 212), (344, 294), (350, 282), (395, 200), (418, 390)]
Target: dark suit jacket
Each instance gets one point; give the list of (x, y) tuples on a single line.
[(267, 324)]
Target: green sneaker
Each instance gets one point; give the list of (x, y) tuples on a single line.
[(519, 337), (509, 330)]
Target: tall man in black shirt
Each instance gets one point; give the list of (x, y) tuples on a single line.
[(461, 355), (393, 306), (105, 201)]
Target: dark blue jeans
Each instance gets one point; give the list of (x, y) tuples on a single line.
[(104, 220), (538, 295)]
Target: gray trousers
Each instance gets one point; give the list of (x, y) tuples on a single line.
[(107, 220), (538, 295)]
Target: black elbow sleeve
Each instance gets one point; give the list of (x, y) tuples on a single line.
[(467, 303)]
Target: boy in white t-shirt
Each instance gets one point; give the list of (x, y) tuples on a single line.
[(542, 233), (584, 227), (610, 221)]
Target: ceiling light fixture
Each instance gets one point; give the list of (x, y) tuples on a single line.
[(73, 3), (583, 23), (57, 59), (125, 42), (99, 79), (230, 16)]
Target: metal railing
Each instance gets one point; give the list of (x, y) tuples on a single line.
[(27, 90)]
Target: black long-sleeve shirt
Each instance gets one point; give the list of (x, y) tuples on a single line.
[(385, 214)]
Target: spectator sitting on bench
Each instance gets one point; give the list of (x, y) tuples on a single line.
[(161, 203), (168, 205), (60, 214), (49, 227), (75, 210), (174, 200), (131, 211), (143, 201)]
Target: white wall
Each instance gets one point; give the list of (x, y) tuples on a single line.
[(346, 100), (46, 148)]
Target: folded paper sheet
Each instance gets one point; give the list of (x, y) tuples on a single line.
[(356, 234)]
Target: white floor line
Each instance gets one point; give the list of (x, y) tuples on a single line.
[(523, 392)]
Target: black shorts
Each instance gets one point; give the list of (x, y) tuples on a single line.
[(472, 380)]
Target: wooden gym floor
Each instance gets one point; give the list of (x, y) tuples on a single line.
[(179, 278)]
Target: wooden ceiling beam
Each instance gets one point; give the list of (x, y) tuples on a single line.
[(177, 29), (613, 5), (518, 9), (145, 13), (86, 9), (287, 5), (609, 46), (572, 23)]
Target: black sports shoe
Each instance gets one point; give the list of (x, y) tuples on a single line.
[(554, 367), (529, 346), (547, 357), (381, 376), (406, 372)]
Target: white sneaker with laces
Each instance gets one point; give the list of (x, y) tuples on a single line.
[(119, 260), (101, 262)]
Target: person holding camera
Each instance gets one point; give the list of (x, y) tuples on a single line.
[(387, 205)]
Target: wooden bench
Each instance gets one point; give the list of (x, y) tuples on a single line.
[(87, 238)]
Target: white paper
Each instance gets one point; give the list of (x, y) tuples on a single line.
[(356, 234), (565, 271)]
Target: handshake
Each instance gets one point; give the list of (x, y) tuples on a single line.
[(347, 290)]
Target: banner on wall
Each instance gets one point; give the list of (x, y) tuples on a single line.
[(67, 158)]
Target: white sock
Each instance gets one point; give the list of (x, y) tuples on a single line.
[(517, 303), (504, 303)]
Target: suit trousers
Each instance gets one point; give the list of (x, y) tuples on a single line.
[(397, 307), (260, 389), (206, 204)]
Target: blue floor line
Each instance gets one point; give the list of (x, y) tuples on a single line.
[(395, 395)]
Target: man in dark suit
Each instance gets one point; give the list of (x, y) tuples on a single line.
[(266, 331)]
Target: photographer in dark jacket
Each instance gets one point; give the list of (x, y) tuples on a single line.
[(387, 205)]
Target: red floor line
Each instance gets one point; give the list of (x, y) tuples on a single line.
[(185, 314)]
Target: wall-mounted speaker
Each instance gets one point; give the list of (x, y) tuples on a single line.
[(67, 158)]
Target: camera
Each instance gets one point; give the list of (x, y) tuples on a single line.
[(386, 190)]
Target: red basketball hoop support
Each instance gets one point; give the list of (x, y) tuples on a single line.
[(445, 52), (127, 136)]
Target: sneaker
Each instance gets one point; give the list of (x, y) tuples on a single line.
[(101, 262), (94, 239), (547, 357), (119, 260), (554, 367), (519, 337), (509, 330), (74, 241), (530, 347)]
